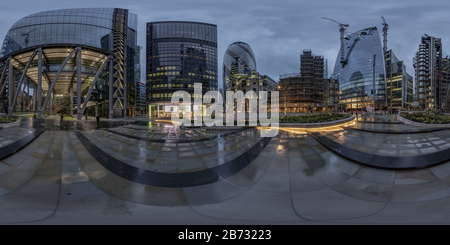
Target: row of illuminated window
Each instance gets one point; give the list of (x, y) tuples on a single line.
[(174, 73), (186, 63), (177, 55), (165, 68), (55, 68), (181, 55), (169, 95), (177, 85), (185, 46), (180, 79)]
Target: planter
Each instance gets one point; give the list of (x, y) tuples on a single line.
[(10, 125), (289, 125), (318, 125), (406, 121)]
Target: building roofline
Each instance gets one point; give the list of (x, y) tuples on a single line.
[(179, 21)]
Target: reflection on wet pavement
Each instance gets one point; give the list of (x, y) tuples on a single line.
[(392, 144), (150, 148), (62, 177)]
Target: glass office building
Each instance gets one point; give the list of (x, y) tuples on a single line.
[(399, 83), (75, 61), (238, 61), (357, 75), (179, 54)]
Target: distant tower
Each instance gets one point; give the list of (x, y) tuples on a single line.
[(428, 70), (239, 60)]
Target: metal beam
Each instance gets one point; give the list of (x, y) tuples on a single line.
[(39, 86), (447, 97), (4, 71), (11, 106), (4, 86), (71, 98), (79, 116), (28, 93), (11, 83), (41, 109), (111, 87), (92, 85), (125, 84)]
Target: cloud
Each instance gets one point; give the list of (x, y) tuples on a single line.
[(277, 31)]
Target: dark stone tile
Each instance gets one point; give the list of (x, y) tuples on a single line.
[(384, 162), (12, 148), (161, 179), (437, 157)]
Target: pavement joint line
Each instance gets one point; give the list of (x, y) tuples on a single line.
[(382, 162), (9, 150), (183, 179)]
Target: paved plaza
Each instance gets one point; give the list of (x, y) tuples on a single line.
[(142, 171)]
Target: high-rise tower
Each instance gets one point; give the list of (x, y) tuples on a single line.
[(358, 76), (238, 61), (179, 54), (428, 74)]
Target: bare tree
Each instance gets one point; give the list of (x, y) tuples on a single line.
[(285, 93)]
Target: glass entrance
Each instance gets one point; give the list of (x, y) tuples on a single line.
[(152, 111)]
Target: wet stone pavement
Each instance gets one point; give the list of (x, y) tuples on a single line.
[(149, 172)]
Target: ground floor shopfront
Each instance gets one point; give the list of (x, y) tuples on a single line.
[(164, 110)]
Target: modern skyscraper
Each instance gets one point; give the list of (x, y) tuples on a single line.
[(179, 54), (238, 61), (140, 98), (399, 83), (430, 92), (358, 76), (72, 59), (446, 83)]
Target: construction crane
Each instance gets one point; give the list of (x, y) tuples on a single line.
[(342, 31), (385, 28)]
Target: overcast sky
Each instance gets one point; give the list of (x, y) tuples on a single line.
[(276, 30)]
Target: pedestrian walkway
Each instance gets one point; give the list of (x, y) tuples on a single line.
[(141, 173)]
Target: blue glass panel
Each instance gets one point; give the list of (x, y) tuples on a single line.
[(82, 26), (357, 75)]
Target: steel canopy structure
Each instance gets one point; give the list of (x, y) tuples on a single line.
[(72, 59)]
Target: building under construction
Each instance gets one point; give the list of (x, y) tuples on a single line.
[(300, 91)]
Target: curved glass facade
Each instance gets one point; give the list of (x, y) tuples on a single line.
[(180, 54), (90, 27), (356, 76), (61, 41), (239, 60)]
